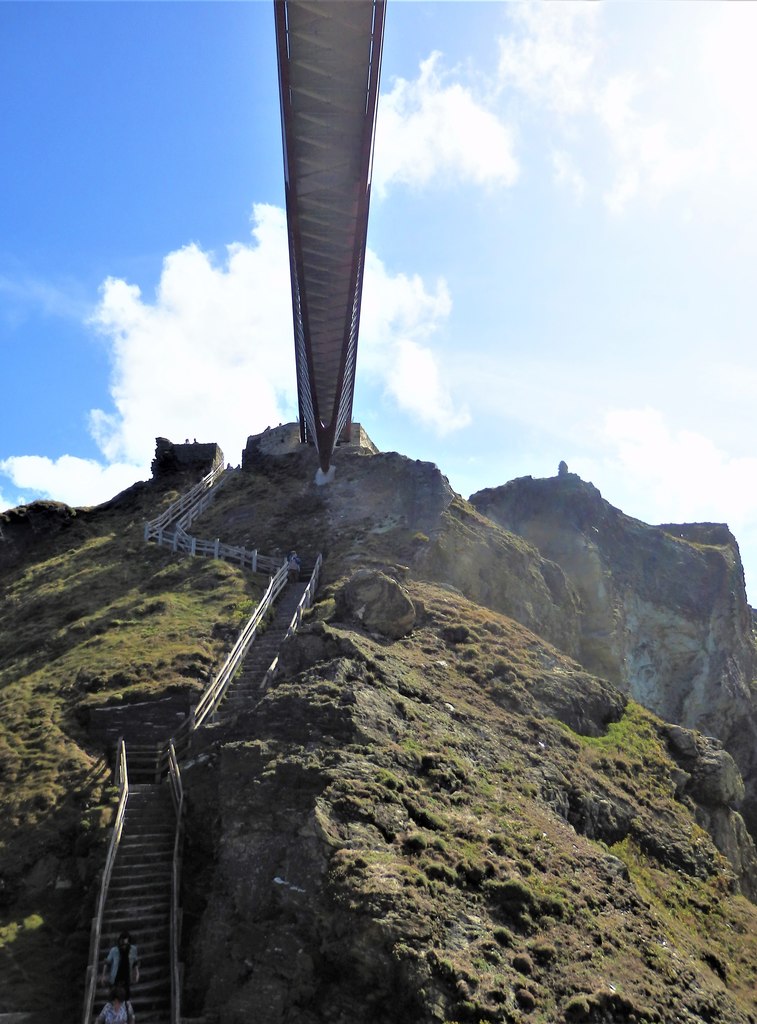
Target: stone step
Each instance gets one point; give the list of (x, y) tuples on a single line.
[(147, 918), (153, 841)]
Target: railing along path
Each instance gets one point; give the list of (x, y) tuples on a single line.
[(122, 780), (177, 793), (185, 510), (182, 512)]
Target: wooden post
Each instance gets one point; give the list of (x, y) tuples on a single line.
[(216, 547), (194, 546), (255, 560)]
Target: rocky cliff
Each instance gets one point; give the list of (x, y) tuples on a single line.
[(449, 805), (664, 613)]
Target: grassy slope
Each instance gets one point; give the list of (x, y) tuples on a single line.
[(90, 616), (481, 893), (486, 894)]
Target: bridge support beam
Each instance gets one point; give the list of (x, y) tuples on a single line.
[(329, 62)]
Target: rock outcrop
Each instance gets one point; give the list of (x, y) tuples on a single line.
[(377, 603), (435, 810), (664, 613), (191, 457)]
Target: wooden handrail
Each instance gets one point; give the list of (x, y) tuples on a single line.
[(305, 601), (214, 692), (122, 780), (184, 502), (177, 792), (307, 597), (185, 510)]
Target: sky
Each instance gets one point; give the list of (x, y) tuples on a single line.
[(562, 247)]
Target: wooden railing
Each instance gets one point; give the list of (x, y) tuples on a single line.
[(216, 689), (122, 780), (184, 503), (170, 528), (177, 792), (305, 602)]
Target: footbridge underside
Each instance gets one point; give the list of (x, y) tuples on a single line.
[(329, 59)]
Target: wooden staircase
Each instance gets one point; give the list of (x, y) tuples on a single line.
[(139, 898)]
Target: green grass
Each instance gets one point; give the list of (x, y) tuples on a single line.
[(92, 616)]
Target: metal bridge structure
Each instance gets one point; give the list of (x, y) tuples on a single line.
[(329, 63)]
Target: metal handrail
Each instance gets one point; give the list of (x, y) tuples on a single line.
[(122, 779)]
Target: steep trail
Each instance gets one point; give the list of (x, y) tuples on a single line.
[(248, 680), (138, 899)]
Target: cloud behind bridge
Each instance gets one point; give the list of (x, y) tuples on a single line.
[(211, 357)]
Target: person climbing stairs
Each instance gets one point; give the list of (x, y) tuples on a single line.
[(139, 897)]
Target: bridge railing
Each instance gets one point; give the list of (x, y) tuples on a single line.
[(122, 780)]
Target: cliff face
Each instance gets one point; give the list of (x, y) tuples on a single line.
[(435, 812), (385, 509), (663, 608), (461, 825)]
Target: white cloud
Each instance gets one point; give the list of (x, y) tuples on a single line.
[(212, 358), (434, 128), (415, 381), (550, 56), (70, 479), (675, 474), (25, 293), (398, 315), (567, 174), (643, 111)]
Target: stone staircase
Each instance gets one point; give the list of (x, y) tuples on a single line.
[(245, 685), (139, 898)]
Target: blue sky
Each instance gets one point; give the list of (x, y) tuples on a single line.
[(562, 246)]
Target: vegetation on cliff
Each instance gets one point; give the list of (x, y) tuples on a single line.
[(449, 821), (91, 615)]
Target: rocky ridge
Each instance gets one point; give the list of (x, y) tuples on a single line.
[(664, 613), (440, 810)]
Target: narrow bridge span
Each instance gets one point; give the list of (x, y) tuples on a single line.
[(329, 61)]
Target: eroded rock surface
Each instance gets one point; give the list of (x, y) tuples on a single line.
[(377, 602), (663, 608)]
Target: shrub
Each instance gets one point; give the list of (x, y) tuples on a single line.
[(414, 843), (523, 963), (543, 951), (503, 936), (577, 1009)]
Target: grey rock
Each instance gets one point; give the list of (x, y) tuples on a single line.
[(378, 602)]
